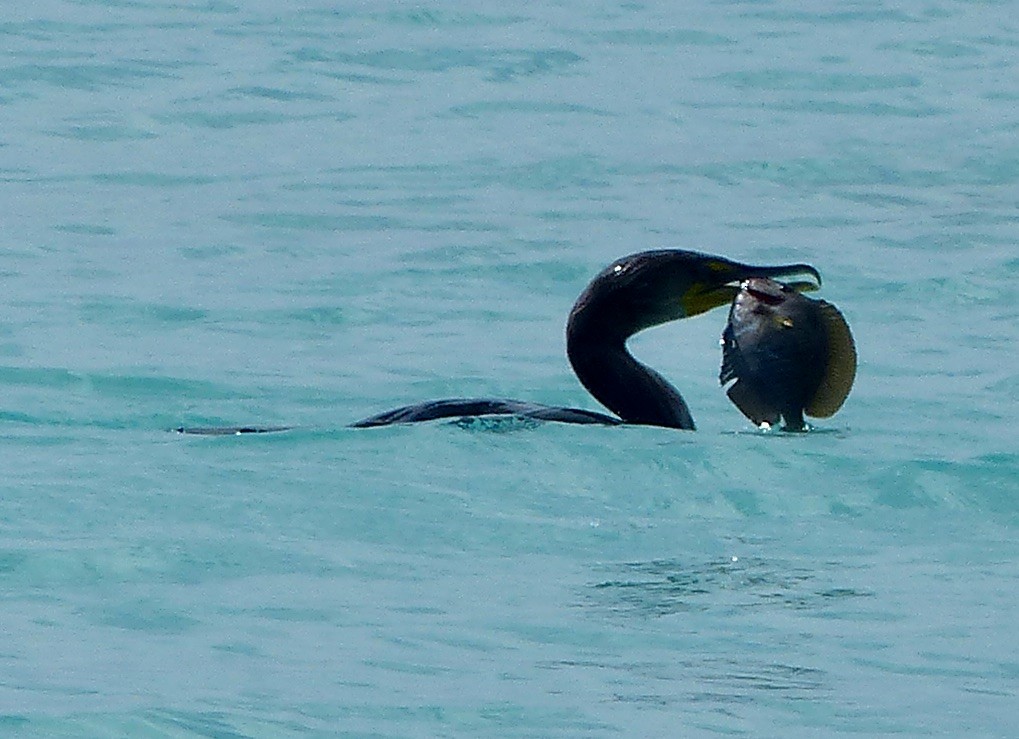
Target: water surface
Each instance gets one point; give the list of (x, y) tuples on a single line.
[(220, 213)]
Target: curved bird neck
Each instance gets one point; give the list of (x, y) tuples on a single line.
[(631, 390)]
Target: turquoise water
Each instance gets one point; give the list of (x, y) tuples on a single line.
[(220, 213)]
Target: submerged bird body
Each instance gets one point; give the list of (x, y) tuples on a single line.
[(631, 294), (789, 355), (468, 407)]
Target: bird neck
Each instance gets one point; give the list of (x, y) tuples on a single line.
[(631, 390)]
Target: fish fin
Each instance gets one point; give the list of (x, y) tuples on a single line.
[(739, 392), (731, 360), (751, 405), (841, 370)]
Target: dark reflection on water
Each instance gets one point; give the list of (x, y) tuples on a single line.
[(795, 682), (721, 650), (664, 587), (707, 679)]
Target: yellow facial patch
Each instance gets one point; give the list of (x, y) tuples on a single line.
[(700, 299)]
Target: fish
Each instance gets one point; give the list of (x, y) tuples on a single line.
[(786, 355)]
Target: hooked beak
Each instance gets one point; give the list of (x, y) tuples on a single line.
[(721, 280)]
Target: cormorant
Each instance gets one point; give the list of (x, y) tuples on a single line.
[(633, 293)]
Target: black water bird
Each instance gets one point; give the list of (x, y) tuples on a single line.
[(789, 355), (633, 293)]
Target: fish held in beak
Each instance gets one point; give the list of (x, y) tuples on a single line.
[(785, 354)]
